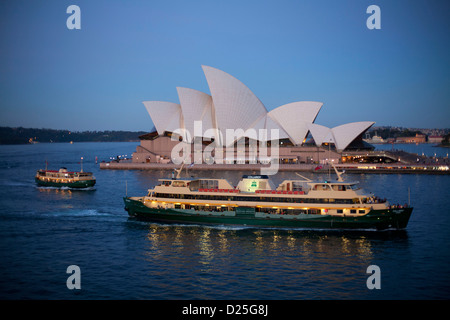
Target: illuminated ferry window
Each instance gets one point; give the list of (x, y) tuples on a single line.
[(178, 184)]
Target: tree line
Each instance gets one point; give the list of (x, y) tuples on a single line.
[(446, 141), (21, 135), (386, 133)]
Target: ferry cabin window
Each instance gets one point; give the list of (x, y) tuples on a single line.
[(321, 187), (194, 185), (296, 186), (252, 199), (339, 187), (208, 184), (178, 184), (281, 211)]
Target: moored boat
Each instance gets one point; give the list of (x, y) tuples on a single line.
[(63, 178), (255, 202)]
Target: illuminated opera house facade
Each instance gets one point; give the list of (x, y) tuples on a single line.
[(204, 119)]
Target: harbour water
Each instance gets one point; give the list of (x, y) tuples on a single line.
[(45, 230)]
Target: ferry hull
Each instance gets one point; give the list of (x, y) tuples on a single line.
[(376, 219), (75, 184)]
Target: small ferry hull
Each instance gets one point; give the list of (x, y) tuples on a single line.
[(376, 219), (74, 184)]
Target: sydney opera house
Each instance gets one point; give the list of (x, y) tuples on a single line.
[(201, 119)]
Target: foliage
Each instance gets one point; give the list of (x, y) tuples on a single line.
[(446, 140), (386, 133), (21, 135)]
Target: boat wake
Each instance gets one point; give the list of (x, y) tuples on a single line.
[(191, 225), (83, 213)]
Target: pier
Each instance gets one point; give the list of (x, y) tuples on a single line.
[(308, 160), (301, 167)]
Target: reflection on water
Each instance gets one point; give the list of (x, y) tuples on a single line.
[(205, 248), (60, 191), (211, 241), (278, 260)]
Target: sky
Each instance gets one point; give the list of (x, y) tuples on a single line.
[(126, 52)]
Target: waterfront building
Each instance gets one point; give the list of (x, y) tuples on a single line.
[(435, 139), (201, 119), (419, 138)]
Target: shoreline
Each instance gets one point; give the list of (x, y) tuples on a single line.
[(349, 168)]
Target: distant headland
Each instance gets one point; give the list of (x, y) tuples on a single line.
[(19, 135), (386, 134)]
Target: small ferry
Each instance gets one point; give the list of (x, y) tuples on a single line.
[(256, 202), (63, 178)]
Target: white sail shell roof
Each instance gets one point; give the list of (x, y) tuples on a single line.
[(236, 107), (294, 118), (267, 125), (346, 133), (166, 116), (341, 135), (196, 106), (321, 134), (232, 105)]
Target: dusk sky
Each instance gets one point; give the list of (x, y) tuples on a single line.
[(127, 52)]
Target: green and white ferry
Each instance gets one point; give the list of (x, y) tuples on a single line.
[(63, 178), (255, 202)]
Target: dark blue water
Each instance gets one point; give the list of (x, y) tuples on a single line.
[(43, 231)]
